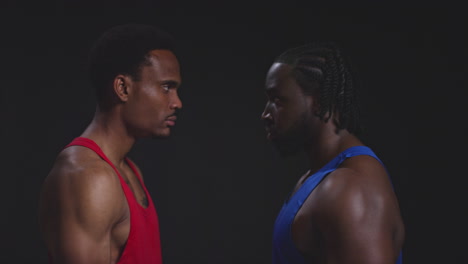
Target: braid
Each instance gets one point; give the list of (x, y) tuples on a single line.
[(342, 99), (326, 95), (322, 70)]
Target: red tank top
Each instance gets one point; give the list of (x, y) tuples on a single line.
[(143, 244)]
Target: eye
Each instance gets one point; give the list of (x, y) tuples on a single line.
[(166, 87), (275, 99), (169, 85)]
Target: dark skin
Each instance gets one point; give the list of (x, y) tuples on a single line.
[(84, 214), (353, 215)]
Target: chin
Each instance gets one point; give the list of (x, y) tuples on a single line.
[(287, 150), (291, 141), (288, 146), (161, 134)]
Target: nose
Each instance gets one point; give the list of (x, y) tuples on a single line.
[(176, 103), (266, 115)]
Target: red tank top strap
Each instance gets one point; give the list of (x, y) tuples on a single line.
[(86, 142), (143, 244), (134, 169)]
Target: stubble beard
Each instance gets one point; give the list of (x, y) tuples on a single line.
[(162, 135), (293, 140)]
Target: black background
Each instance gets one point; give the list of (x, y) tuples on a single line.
[(216, 182)]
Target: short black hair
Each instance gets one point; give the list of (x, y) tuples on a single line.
[(124, 49), (324, 63)]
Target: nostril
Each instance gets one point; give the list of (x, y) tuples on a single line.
[(266, 115)]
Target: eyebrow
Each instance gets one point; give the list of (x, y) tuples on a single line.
[(270, 90)]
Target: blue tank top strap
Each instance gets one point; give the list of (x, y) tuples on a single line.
[(311, 182), (360, 150)]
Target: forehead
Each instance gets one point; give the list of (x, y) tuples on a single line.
[(279, 76), (164, 65)]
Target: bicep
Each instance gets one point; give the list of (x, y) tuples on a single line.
[(85, 215), (76, 243)]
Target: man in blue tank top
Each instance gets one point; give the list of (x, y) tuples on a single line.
[(343, 209)]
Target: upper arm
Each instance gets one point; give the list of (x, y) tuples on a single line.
[(80, 215), (357, 227)]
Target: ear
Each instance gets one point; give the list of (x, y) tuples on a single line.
[(316, 106), (312, 103), (122, 85)]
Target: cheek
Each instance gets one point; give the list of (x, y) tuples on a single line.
[(146, 109), (151, 101), (150, 96), (288, 116), (285, 113), (283, 119)]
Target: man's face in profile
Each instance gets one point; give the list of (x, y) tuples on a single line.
[(151, 110), (286, 112)]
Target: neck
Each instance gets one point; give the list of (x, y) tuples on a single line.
[(111, 135), (327, 144)]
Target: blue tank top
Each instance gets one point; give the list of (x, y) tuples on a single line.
[(284, 250)]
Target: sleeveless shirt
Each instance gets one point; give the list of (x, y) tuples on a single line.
[(143, 244), (284, 249)]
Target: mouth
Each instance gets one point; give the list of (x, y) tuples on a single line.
[(171, 120), (270, 132)]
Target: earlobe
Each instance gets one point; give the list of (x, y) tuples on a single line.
[(120, 86), (316, 106), (311, 103)]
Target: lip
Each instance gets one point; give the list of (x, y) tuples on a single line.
[(170, 121), (270, 132)]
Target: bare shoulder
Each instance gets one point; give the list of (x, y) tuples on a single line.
[(78, 167), (81, 184), (358, 212), (363, 175), (82, 201), (359, 193)]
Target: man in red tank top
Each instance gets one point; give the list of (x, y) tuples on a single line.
[(94, 206)]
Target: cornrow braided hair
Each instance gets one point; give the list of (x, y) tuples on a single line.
[(323, 65)]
